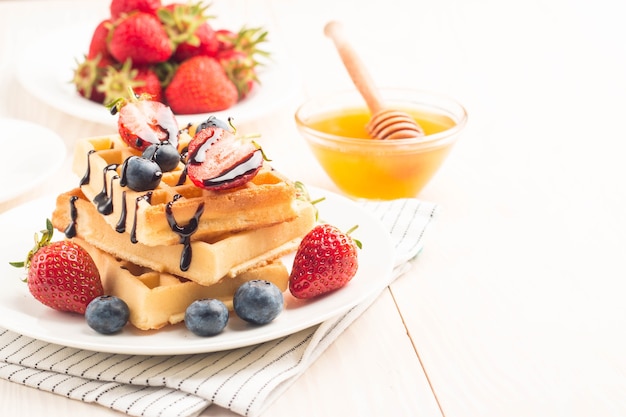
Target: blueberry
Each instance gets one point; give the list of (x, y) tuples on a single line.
[(107, 314), (206, 317), (164, 154), (140, 174), (213, 121), (258, 301)]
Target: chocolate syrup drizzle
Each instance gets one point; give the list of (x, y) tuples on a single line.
[(70, 230), (120, 227), (183, 177), (133, 231), (184, 232), (104, 201), (85, 179)]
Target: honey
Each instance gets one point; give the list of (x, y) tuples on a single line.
[(393, 168)]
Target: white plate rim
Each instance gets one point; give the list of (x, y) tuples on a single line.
[(21, 313), (51, 153), (52, 85)]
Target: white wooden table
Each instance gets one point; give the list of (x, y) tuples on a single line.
[(516, 305)]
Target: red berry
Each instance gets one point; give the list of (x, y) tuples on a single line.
[(143, 122), (238, 53), (141, 38), (148, 83), (200, 85), (99, 44), (62, 275), (119, 80), (204, 43), (226, 39), (241, 70), (187, 26), (88, 75), (219, 161), (118, 7), (326, 260)]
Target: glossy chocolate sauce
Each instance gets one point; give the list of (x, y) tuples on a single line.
[(123, 181), (133, 232), (183, 176), (120, 227), (184, 232), (104, 199), (85, 179), (70, 230)]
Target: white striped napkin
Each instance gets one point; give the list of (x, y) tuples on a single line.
[(244, 380)]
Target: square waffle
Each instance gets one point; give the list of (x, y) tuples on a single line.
[(268, 199), (204, 262), (157, 299)]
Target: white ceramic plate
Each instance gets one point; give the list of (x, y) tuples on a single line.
[(32, 153), (45, 69), (20, 312)]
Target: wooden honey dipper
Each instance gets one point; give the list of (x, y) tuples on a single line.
[(385, 123)]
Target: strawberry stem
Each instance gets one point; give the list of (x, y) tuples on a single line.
[(115, 106), (40, 242), (352, 229), (231, 123), (303, 194), (256, 145), (356, 241)]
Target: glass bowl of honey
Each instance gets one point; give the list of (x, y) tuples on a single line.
[(361, 167)]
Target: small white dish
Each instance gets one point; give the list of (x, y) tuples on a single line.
[(32, 153), (60, 50), (20, 312)]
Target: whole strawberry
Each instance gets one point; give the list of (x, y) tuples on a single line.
[(119, 80), (326, 260), (187, 26), (141, 38), (99, 44), (239, 55), (88, 75), (148, 83), (118, 7), (204, 42), (91, 69), (61, 275), (240, 69), (200, 85)]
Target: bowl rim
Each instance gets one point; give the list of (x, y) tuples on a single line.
[(460, 117)]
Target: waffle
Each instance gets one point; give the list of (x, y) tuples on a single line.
[(158, 299), (204, 262), (267, 199)]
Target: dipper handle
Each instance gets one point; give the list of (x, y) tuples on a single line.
[(385, 123), (355, 67)]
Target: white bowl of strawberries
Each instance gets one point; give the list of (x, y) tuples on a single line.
[(172, 53)]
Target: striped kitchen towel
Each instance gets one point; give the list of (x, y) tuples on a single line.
[(244, 380)]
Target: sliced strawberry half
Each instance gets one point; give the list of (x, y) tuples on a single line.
[(218, 160), (143, 122)]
